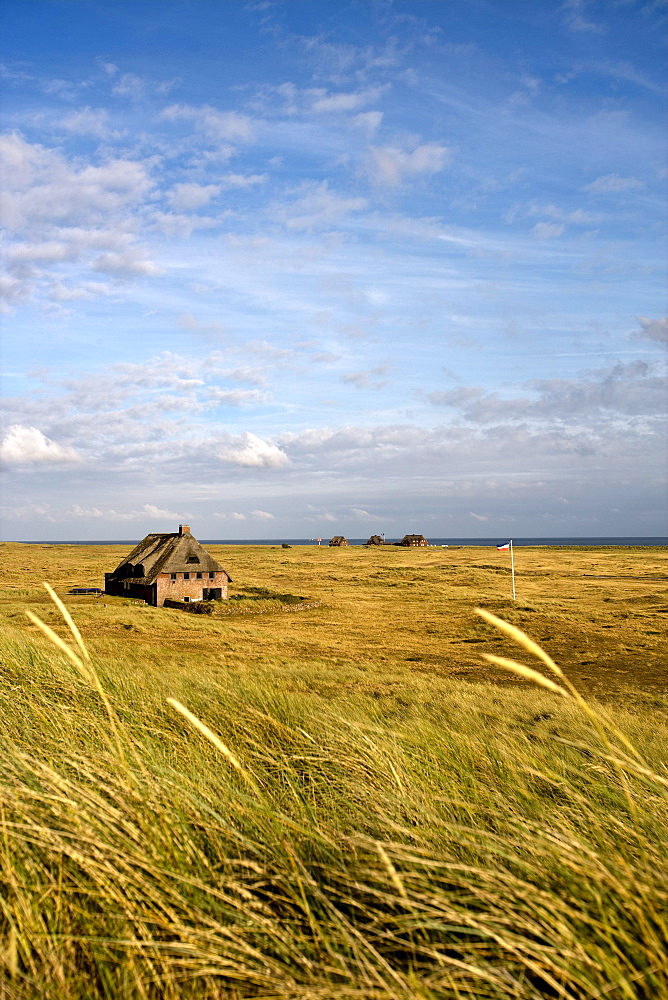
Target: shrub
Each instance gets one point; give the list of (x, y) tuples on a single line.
[(202, 607)]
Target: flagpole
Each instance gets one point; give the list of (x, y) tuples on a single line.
[(512, 567)]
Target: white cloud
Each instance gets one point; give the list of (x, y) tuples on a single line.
[(136, 87), (186, 197), (98, 513), (253, 376), (577, 217), (216, 125), (267, 350), (58, 292), (110, 514), (237, 397), (126, 265), (370, 121), (12, 290), (36, 512), (547, 230), (68, 213), (89, 121), (188, 322), (317, 514), (44, 188), (365, 515), (319, 208), (368, 379), (324, 102), (255, 453), (390, 165), (237, 516), (619, 392), (65, 89), (160, 513), (653, 329), (613, 184), (129, 85), (178, 224), (243, 180), (28, 444), (262, 515), (575, 19)]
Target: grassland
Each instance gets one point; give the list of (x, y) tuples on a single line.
[(386, 614), (371, 811)]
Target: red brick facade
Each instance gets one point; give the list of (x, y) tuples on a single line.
[(195, 587)]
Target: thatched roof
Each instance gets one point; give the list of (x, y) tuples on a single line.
[(376, 540), (338, 540), (173, 553), (413, 540)]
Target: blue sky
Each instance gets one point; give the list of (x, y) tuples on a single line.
[(300, 268)]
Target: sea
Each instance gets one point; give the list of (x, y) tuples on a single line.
[(621, 541)]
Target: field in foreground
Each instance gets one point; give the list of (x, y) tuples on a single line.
[(357, 821)]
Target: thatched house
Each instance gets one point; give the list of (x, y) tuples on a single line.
[(413, 541), (376, 540), (338, 540), (172, 566)]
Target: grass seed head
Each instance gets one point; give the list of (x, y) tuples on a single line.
[(527, 672), (519, 636)]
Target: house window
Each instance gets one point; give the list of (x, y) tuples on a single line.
[(192, 559), (173, 576), (186, 576), (199, 576), (212, 576)]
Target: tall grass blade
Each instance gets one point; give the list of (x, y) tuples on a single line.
[(68, 618), (527, 672), (520, 637), (216, 740), (61, 644)]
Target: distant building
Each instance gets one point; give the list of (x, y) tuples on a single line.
[(338, 540), (412, 541), (168, 566), (376, 540)]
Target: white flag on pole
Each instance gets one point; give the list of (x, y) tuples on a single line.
[(505, 547)]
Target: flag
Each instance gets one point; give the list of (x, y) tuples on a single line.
[(504, 547)]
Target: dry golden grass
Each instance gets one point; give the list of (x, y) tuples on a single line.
[(599, 612), (249, 839)]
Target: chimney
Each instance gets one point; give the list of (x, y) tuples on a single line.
[(184, 529)]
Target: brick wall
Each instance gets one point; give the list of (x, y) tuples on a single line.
[(192, 588)]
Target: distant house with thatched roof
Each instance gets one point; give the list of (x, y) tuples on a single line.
[(168, 566), (338, 540), (376, 540), (413, 541)]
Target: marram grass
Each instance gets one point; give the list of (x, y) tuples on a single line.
[(191, 839)]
